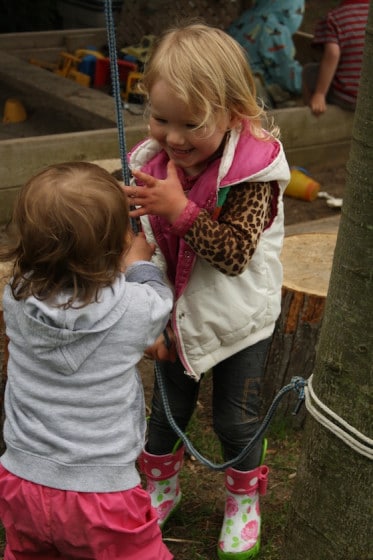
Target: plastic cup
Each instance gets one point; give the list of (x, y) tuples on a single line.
[(302, 186)]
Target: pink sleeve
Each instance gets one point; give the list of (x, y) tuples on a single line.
[(185, 221)]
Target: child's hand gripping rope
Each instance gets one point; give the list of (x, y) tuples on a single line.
[(164, 348)]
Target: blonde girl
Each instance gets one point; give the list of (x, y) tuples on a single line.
[(208, 185)]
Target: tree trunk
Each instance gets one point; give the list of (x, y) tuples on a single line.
[(307, 262), (330, 514)]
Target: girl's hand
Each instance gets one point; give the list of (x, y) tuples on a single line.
[(140, 250), (160, 197), (160, 350)]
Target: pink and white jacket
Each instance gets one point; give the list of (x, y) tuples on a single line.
[(215, 315)]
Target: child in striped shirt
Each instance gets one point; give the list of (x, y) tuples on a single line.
[(335, 79)]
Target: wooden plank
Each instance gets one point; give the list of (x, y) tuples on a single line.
[(21, 158), (74, 39), (299, 127), (320, 154), (47, 45)]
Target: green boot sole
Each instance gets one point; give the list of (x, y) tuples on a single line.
[(245, 555)]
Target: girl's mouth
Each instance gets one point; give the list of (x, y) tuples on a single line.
[(179, 152)]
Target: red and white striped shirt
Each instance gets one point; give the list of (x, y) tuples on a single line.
[(345, 25)]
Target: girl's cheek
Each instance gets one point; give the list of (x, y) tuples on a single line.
[(155, 131)]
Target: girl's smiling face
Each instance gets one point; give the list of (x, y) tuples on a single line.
[(173, 125)]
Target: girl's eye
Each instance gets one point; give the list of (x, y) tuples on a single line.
[(191, 126), (159, 120)]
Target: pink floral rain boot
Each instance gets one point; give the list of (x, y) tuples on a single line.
[(240, 534), (162, 481)]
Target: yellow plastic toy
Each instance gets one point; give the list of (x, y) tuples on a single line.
[(81, 53), (132, 80), (302, 185), (14, 111), (68, 68)]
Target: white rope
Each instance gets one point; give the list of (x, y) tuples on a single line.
[(349, 435)]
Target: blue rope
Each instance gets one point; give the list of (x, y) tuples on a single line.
[(116, 88), (296, 383), (110, 28)]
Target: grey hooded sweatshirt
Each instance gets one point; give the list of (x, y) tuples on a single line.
[(74, 402)]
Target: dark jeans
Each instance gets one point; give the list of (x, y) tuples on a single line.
[(235, 404)]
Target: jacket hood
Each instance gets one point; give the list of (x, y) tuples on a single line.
[(66, 337), (247, 158)]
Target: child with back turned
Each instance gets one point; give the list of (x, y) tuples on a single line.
[(208, 188), (82, 305)]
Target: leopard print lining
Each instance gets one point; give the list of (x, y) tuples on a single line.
[(229, 243)]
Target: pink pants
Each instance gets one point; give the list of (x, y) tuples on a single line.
[(45, 523)]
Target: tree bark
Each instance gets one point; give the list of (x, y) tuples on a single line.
[(330, 514)]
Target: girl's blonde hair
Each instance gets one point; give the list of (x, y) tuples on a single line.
[(70, 227), (209, 71)]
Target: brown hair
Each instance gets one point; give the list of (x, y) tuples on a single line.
[(71, 226), (209, 71)]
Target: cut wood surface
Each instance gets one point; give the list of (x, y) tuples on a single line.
[(307, 262)]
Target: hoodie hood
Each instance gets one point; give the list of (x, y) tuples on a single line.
[(66, 337)]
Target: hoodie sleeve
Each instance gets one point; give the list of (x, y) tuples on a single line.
[(147, 273)]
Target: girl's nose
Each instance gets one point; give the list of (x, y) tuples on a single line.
[(175, 136)]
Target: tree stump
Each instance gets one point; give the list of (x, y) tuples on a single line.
[(307, 261)]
